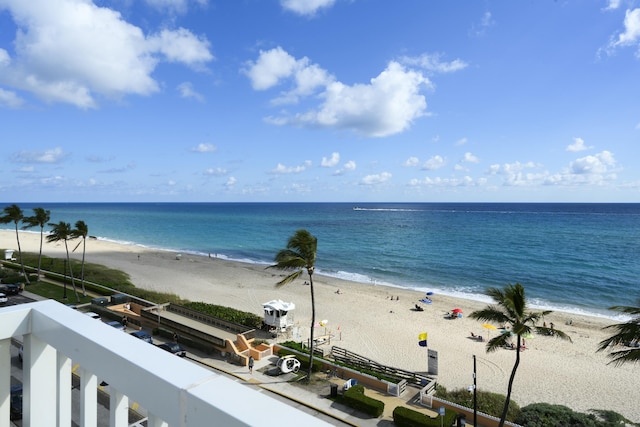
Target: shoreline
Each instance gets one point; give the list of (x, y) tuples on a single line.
[(366, 320), (603, 313)]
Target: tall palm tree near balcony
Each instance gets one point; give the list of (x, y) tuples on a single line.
[(14, 214), (300, 255), (628, 334), (511, 310), (81, 230), (40, 218), (63, 231)]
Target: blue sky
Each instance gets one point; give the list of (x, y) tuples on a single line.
[(319, 100)]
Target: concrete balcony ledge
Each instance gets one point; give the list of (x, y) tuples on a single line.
[(174, 391)]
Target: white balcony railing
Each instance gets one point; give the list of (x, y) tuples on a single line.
[(174, 391)]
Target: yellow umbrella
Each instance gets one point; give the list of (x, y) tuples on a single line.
[(488, 326)]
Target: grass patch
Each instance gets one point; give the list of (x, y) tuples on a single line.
[(56, 292)]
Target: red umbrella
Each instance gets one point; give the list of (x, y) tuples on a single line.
[(456, 310)]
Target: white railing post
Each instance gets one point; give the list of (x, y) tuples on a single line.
[(155, 422), (118, 409), (64, 390), (5, 377), (39, 383), (88, 399)]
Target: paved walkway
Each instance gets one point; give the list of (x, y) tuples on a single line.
[(315, 397)]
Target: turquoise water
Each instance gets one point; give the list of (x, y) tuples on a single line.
[(579, 258)]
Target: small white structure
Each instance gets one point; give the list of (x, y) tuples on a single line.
[(8, 255), (287, 364), (276, 314)]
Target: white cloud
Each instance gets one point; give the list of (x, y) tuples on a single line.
[(54, 155), (411, 162), (10, 99), (331, 162), (282, 169), (434, 163), (385, 106), (204, 148), (275, 66), (270, 67), (215, 171), (178, 6), (376, 179), (578, 145), (230, 182), (480, 29), (432, 62), (461, 141), (350, 165), (72, 50), (613, 4), (599, 164), (631, 34), (470, 158), (306, 7), (186, 91)]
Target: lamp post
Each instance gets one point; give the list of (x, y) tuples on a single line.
[(475, 390)]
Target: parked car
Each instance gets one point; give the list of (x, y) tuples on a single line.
[(3, 298), (116, 325), (12, 288), (174, 347), (144, 336), (16, 402), (93, 315)]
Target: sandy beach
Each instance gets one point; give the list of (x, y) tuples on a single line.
[(378, 322)]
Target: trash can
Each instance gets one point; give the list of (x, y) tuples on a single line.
[(461, 420), (334, 390)]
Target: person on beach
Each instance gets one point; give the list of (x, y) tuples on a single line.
[(338, 292), (251, 364)]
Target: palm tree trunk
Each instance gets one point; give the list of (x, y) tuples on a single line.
[(24, 273), (313, 322), (84, 247), (73, 283), (507, 401), (40, 254)]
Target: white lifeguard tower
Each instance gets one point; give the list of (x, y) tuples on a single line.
[(277, 315)]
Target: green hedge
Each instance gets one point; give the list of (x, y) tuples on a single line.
[(226, 313), (406, 417), (355, 398)]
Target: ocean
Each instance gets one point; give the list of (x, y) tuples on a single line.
[(575, 258)]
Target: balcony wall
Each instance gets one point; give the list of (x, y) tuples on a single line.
[(174, 391)]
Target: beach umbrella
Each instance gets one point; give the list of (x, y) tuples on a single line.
[(456, 310), (490, 327)]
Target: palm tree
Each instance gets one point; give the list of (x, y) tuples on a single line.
[(300, 255), (512, 311), (14, 214), (81, 230), (63, 231), (628, 333), (40, 217)]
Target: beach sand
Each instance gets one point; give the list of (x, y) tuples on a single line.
[(365, 319)]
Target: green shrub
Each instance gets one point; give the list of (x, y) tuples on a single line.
[(355, 398), (227, 313), (13, 278), (406, 417), (489, 403), (546, 414)]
